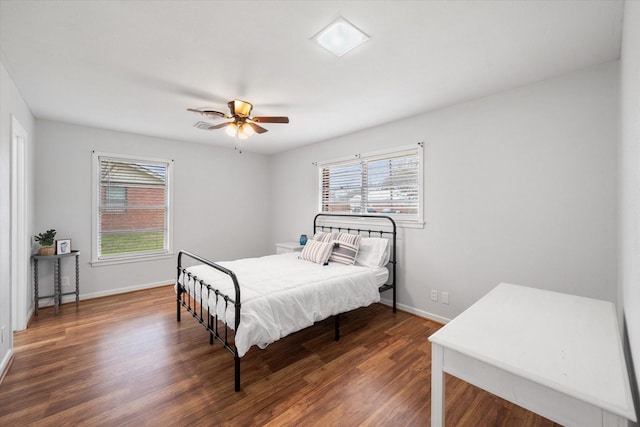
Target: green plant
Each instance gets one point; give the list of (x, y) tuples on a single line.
[(46, 238)]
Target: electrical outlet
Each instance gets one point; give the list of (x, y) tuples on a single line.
[(65, 282), (444, 297), (434, 295)]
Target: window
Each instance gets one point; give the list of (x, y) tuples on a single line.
[(386, 183), (131, 208)]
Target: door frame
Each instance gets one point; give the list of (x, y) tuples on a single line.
[(20, 242)]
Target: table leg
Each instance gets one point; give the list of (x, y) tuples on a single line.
[(437, 386), (35, 284), (77, 280), (56, 284)]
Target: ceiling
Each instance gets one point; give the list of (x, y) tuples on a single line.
[(136, 66)]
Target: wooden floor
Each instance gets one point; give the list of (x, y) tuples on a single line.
[(124, 361)]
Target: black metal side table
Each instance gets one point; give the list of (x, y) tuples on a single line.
[(57, 287)]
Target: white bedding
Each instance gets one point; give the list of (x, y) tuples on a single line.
[(281, 294)]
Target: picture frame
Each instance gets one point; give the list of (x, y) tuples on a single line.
[(63, 246)]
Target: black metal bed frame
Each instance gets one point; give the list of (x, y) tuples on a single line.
[(199, 309)]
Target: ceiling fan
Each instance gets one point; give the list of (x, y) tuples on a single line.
[(241, 124)]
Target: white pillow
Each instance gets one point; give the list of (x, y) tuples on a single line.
[(373, 252), (315, 251)]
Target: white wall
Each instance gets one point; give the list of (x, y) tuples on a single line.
[(519, 187), (220, 201), (630, 179), (11, 103)]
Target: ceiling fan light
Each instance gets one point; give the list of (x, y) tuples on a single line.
[(340, 37), (247, 129), (242, 135), (231, 129)]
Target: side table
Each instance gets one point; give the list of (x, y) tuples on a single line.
[(286, 247), (57, 287)]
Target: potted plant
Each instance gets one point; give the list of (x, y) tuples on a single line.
[(46, 240)]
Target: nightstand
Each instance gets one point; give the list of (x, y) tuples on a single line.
[(287, 247)]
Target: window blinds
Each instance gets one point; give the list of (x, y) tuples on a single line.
[(132, 207), (386, 184)]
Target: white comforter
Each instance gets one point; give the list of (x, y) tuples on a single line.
[(281, 294)]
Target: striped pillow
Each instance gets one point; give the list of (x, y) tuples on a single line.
[(316, 251), (345, 248)]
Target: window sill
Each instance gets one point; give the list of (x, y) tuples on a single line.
[(129, 259), (410, 224)]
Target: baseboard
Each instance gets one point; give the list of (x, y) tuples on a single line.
[(6, 364), (70, 298), (30, 315), (417, 312)]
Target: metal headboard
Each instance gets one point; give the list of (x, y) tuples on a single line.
[(386, 223)]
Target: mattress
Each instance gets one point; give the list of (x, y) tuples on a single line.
[(281, 294), (382, 275)]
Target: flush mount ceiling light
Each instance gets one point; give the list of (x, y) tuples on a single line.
[(340, 37)]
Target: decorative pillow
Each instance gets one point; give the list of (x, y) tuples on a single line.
[(345, 248), (373, 252), (321, 236), (316, 251)]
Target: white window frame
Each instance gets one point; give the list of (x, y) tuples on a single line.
[(414, 221), (127, 258)]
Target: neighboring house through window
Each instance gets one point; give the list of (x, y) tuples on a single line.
[(384, 183), (132, 208), (114, 197)]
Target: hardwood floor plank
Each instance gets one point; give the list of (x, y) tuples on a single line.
[(124, 360), (410, 405)]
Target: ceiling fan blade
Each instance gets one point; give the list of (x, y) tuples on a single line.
[(273, 119), (257, 128), (209, 113), (220, 126)]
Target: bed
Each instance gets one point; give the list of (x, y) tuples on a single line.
[(257, 301)]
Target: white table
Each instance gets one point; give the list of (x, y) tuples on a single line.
[(286, 247), (554, 354)]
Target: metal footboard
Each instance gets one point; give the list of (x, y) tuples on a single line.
[(198, 305)]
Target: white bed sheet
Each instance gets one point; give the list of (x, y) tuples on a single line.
[(281, 294)]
